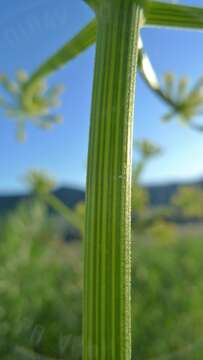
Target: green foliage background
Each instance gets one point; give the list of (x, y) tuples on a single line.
[(40, 288), (41, 292)]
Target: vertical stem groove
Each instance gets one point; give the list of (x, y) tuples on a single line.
[(107, 286)]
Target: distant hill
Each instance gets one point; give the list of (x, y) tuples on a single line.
[(162, 194), (158, 195), (69, 196)]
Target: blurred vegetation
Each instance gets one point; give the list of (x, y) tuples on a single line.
[(144, 219), (41, 292), (37, 103), (37, 107), (168, 297), (42, 186), (40, 288), (22, 102), (188, 202), (187, 103), (41, 275), (147, 220)]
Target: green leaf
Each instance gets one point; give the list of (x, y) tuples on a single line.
[(173, 15)]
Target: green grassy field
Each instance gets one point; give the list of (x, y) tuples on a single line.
[(168, 298), (41, 293)]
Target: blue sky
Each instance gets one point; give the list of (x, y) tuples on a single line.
[(29, 34)]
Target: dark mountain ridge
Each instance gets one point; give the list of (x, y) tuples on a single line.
[(162, 194), (159, 195), (69, 196)]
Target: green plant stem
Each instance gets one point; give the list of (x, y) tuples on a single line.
[(107, 269), (173, 15), (79, 43)]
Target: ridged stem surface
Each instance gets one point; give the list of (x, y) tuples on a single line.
[(107, 270)]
